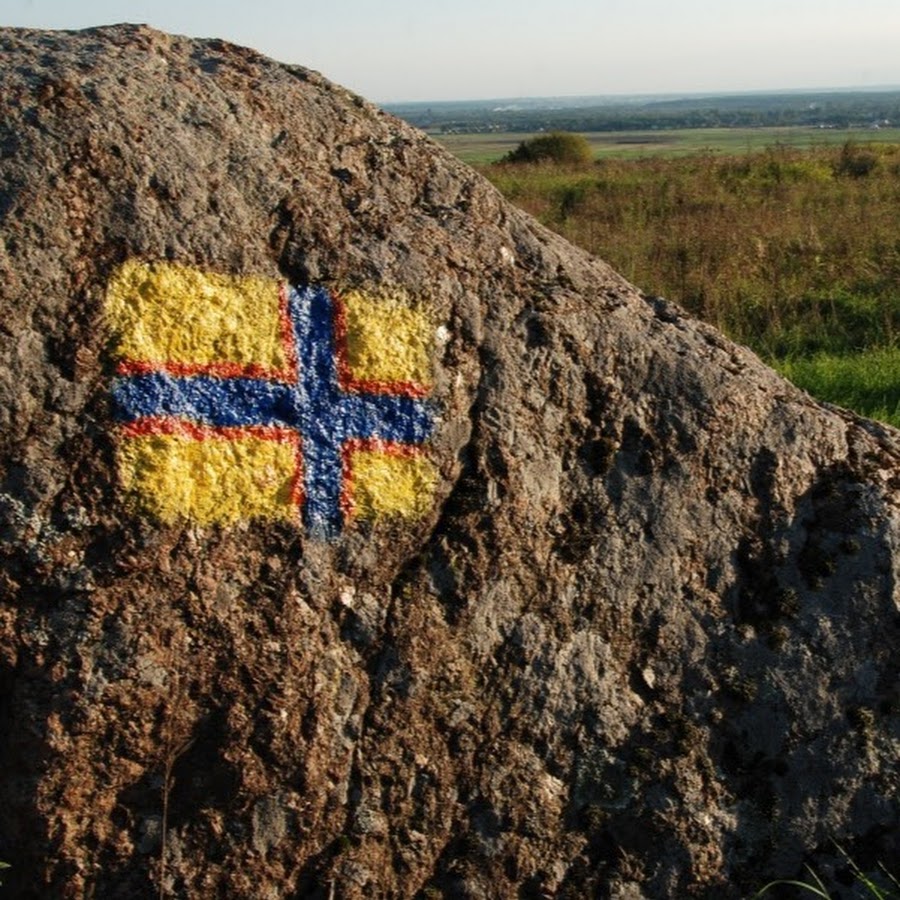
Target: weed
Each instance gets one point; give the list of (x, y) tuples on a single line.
[(817, 888)]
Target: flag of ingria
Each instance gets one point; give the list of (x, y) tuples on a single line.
[(241, 398)]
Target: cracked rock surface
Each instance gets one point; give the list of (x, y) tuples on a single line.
[(643, 645)]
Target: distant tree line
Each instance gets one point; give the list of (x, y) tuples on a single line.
[(829, 110)]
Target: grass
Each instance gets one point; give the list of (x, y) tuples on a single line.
[(794, 252), (816, 887), (868, 381)]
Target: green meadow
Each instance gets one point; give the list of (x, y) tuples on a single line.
[(787, 240)]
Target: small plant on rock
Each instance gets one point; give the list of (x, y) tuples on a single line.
[(817, 889)]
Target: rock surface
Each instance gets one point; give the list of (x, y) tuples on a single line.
[(643, 644)]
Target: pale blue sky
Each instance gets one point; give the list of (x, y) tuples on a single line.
[(394, 50)]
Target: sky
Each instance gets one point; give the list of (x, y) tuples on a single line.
[(407, 50)]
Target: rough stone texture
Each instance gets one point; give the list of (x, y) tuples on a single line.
[(645, 645)]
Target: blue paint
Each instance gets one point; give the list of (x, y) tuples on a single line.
[(315, 406)]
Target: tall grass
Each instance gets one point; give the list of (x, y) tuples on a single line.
[(793, 252)]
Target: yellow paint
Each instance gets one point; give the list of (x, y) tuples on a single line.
[(209, 481), (387, 339), (160, 312), (388, 485)]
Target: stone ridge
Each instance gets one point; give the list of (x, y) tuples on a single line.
[(642, 643)]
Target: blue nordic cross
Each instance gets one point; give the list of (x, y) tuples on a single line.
[(324, 415)]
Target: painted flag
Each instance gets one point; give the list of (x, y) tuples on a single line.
[(239, 397)]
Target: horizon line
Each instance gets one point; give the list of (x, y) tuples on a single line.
[(625, 95)]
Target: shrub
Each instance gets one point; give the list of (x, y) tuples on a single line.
[(855, 162), (556, 146)]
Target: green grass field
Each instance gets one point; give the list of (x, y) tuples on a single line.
[(867, 382), (787, 240), (487, 148)]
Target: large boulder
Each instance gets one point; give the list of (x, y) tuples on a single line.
[(361, 538)]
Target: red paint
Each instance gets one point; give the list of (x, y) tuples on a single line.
[(173, 427), (288, 338), (216, 369)]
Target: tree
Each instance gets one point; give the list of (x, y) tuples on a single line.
[(556, 146)]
